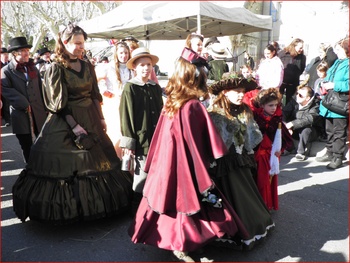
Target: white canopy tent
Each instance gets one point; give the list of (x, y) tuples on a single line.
[(158, 20)]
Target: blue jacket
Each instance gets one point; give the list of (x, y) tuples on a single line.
[(339, 74)]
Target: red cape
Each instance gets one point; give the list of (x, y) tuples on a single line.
[(179, 157)]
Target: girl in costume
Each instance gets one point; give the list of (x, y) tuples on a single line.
[(268, 117), (235, 172), (181, 209)]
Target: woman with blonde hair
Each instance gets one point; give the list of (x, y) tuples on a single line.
[(175, 212), (111, 79)]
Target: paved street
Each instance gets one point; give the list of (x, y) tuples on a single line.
[(311, 225)]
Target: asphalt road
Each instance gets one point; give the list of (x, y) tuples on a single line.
[(311, 224)]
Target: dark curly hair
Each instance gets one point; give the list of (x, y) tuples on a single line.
[(267, 95)]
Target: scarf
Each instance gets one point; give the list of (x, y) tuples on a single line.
[(27, 67)]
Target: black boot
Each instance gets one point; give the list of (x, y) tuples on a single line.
[(335, 163)]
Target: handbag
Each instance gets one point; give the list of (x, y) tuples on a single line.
[(85, 142), (337, 102)]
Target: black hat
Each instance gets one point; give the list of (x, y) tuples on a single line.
[(4, 50), (211, 40), (104, 59), (17, 43), (43, 51), (130, 38)]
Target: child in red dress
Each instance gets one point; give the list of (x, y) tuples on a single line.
[(269, 116)]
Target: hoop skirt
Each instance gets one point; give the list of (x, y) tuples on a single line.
[(235, 178), (235, 173), (62, 183)]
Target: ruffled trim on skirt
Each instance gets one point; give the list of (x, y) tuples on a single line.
[(249, 243), (75, 198)]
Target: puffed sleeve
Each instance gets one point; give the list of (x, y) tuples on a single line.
[(54, 89)]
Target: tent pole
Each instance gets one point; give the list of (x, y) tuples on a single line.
[(198, 24)]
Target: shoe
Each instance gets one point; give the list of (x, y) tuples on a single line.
[(308, 149), (324, 158), (7, 124), (182, 256), (335, 163), (228, 243), (300, 157)]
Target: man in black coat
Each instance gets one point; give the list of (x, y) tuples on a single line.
[(301, 118), (22, 87)]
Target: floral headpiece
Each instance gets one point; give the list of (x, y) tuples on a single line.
[(70, 30)]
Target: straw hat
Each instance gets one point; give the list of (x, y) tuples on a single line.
[(139, 53), (216, 50)]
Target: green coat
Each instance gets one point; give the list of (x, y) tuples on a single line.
[(140, 108), (218, 68)]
